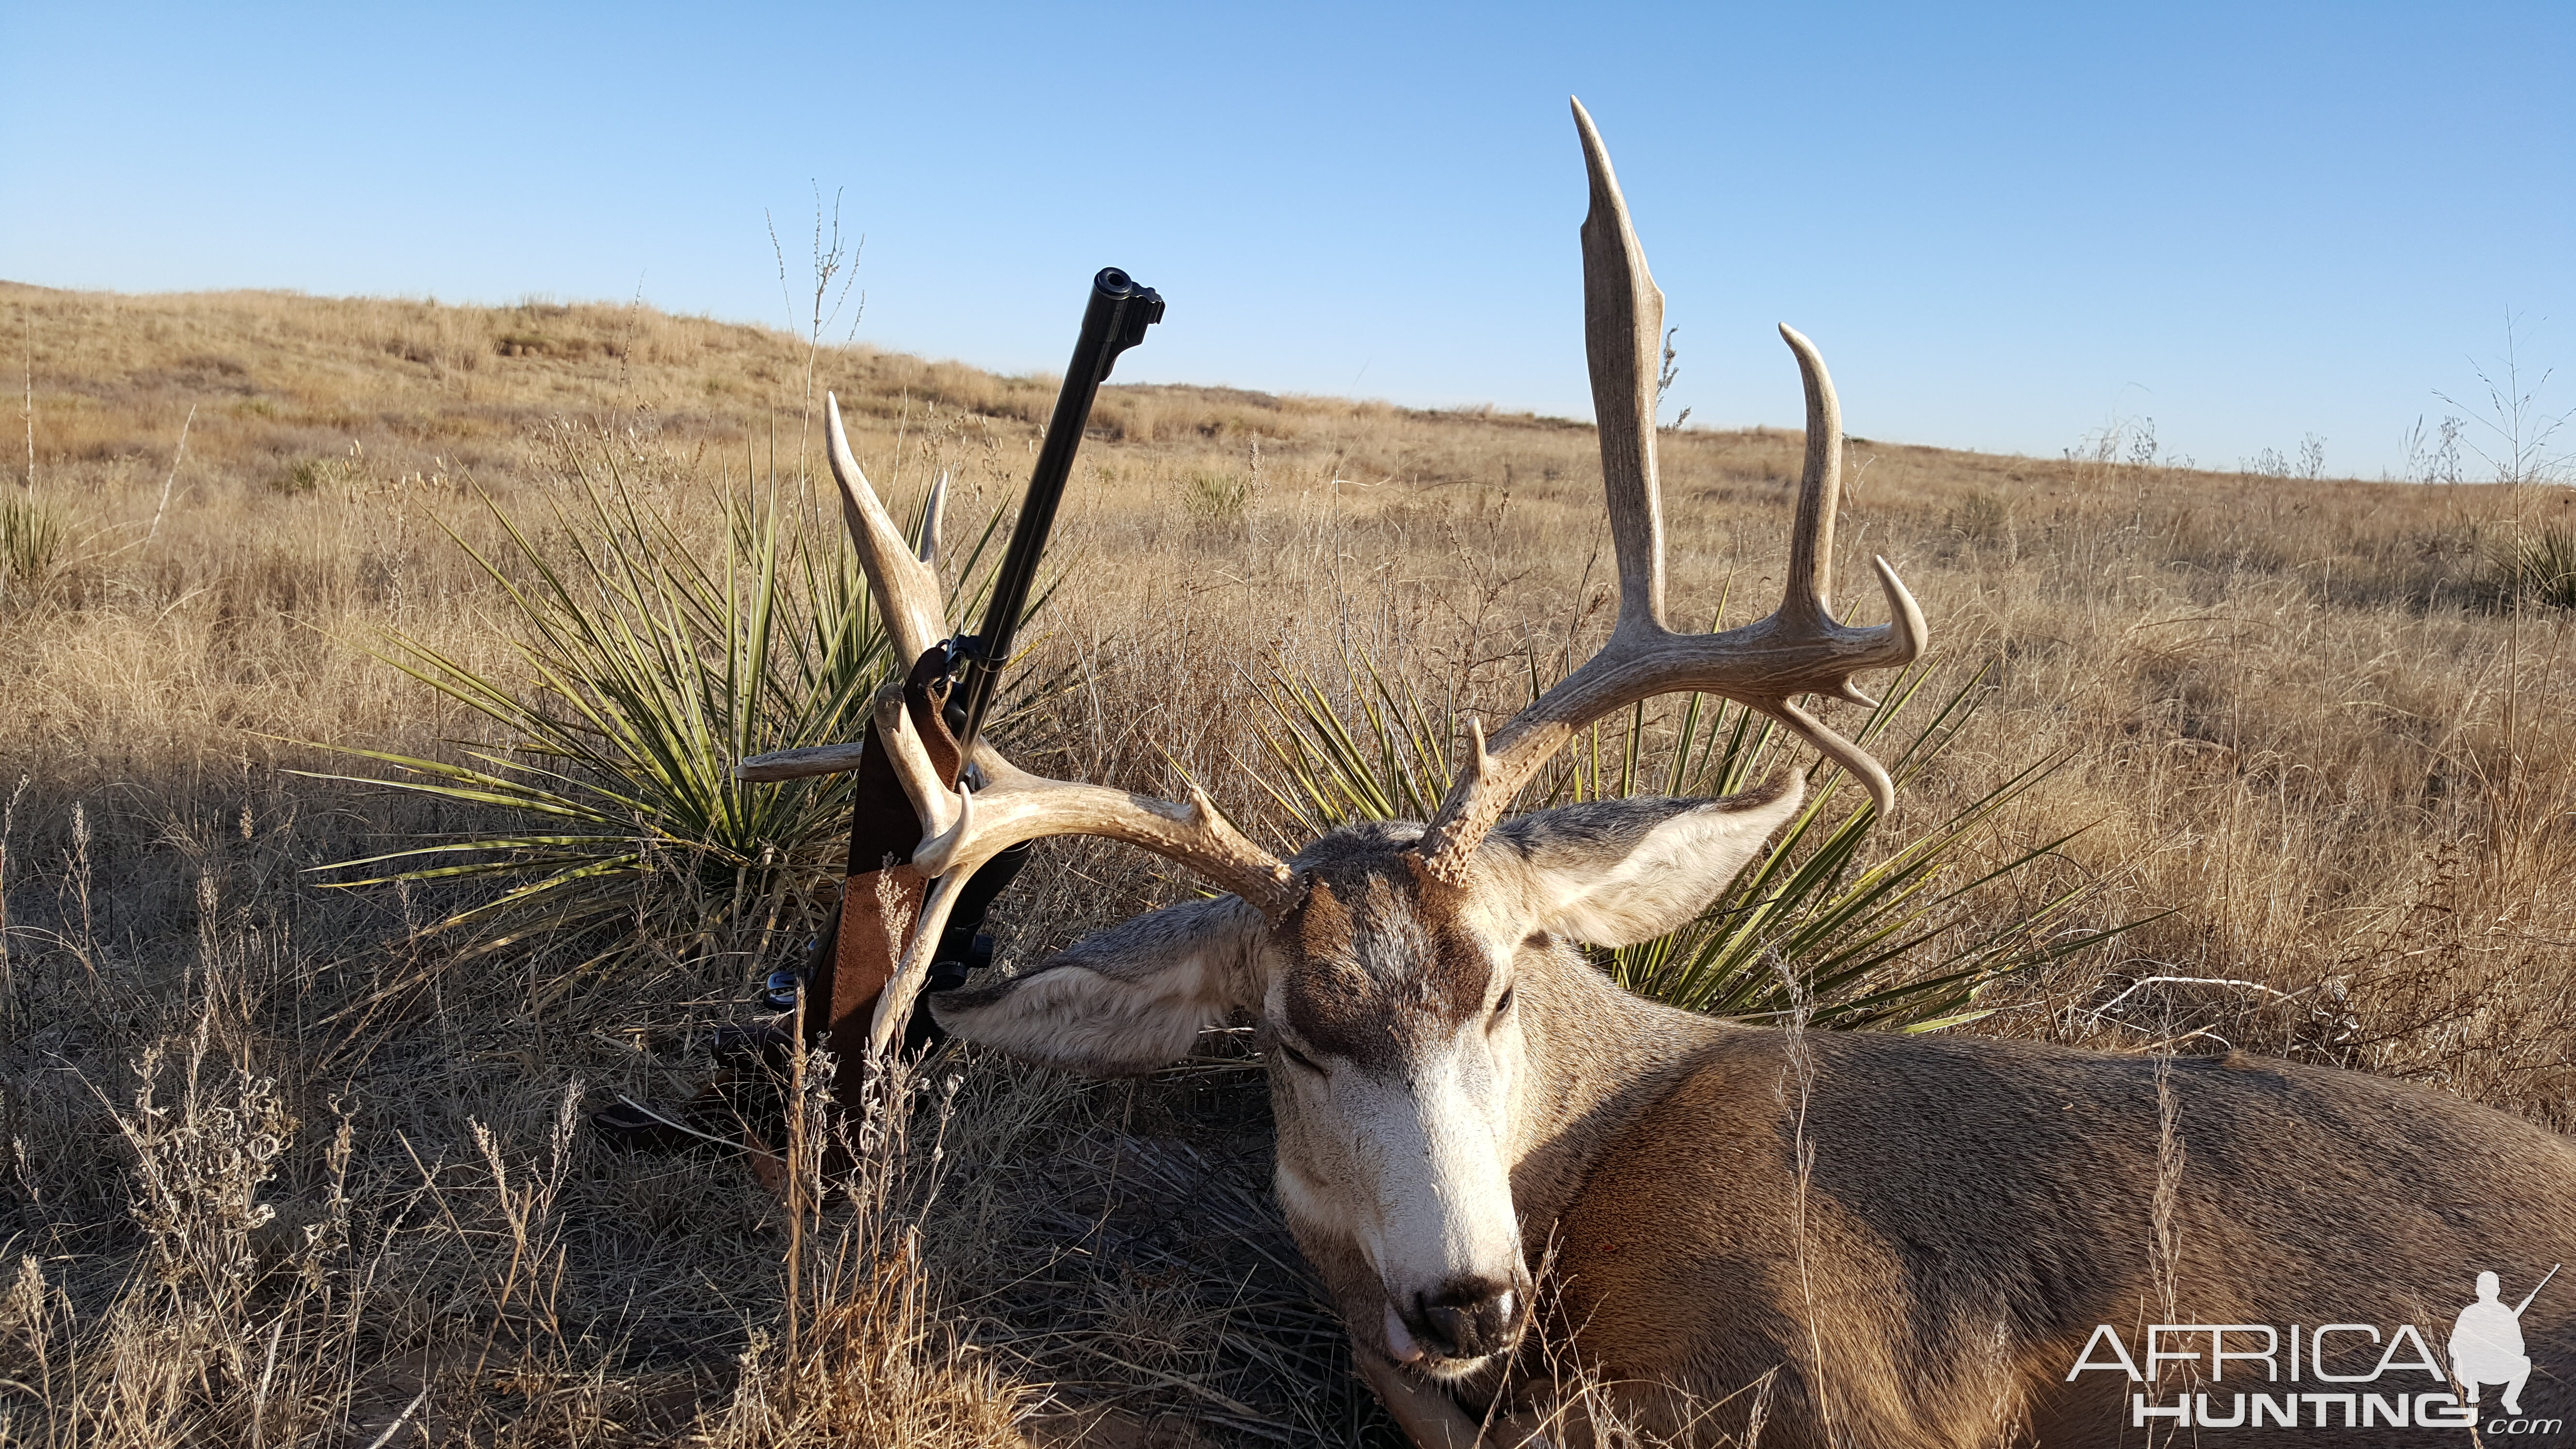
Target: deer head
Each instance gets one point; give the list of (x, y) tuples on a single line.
[(1414, 986)]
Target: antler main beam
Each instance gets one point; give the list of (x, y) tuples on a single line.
[(967, 828), (1799, 650)]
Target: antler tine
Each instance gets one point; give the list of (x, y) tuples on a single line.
[(1623, 324), (906, 587), (933, 511), (967, 829), (904, 582), (894, 1004), (1862, 765), (1800, 649), (1809, 595), (943, 809)]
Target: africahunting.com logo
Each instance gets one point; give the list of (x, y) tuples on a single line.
[(2485, 1351)]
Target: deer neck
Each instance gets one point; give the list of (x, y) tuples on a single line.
[(1596, 1057)]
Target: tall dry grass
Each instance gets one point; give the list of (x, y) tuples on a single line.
[(280, 1168)]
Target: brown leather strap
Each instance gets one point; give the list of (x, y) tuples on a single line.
[(864, 956), (883, 832)]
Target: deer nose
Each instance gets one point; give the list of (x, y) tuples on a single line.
[(1472, 1318)]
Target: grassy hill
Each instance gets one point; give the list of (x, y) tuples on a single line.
[(2303, 719)]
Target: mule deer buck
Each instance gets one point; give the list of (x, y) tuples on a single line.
[(1821, 1238)]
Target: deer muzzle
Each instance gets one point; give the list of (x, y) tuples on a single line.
[(1468, 1318)]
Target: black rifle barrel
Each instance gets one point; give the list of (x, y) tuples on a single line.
[(1116, 320)]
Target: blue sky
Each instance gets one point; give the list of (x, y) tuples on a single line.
[(2005, 227)]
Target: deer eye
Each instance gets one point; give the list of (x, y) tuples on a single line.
[(1300, 1058), (1503, 1003)]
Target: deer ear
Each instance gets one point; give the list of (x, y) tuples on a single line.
[(1614, 872), (1127, 1000)]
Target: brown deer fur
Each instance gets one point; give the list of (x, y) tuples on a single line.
[(1970, 1211)]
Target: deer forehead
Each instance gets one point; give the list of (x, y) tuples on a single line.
[(1382, 961)]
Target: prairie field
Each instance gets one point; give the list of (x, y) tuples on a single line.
[(282, 1162)]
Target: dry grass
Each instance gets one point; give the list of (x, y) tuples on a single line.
[(275, 1170)]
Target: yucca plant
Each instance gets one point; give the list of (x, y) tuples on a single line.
[(32, 541), (651, 664), (1822, 925), (2540, 567)]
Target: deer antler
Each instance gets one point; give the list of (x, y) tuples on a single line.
[(969, 827), (906, 586), (1799, 649), (966, 829)]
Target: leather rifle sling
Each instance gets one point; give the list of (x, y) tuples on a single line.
[(883, 831)]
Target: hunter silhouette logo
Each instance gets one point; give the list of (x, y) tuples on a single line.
[(2363, 1377), (2486, 1342)]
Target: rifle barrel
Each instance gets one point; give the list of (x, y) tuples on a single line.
[(1115, 320)]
